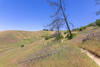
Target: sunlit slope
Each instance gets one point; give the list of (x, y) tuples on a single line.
[(91, 35), (14, 37), (38, 52)]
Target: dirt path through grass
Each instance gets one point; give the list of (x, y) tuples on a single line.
[(93, 57)]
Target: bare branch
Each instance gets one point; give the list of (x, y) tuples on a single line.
[(58, 21), (52, 3), (98, 13), (57, 12), (97, 2)]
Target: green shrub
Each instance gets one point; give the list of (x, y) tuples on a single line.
[(91, 24), (82, 28), (45, 30), (70, 37), (59, 37), (98, 23), (74, 34), (22, 46), (47, 37), (65, 32)]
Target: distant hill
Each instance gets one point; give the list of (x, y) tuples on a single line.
[(12, 37)]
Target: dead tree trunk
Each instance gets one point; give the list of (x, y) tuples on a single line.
[(65, 18)]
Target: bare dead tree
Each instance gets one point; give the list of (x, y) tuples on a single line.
[(60, 12), (57, 25), (97, 4)]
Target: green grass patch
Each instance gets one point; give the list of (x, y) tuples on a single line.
[(65, 32), (60, 37), (70, 37)]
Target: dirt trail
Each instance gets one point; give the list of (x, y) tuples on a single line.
[(93, 57)]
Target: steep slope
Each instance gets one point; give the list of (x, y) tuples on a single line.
[(89, 40)]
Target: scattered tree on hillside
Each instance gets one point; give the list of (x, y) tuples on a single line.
[(60, 15)]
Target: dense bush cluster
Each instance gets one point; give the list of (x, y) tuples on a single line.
[(45, 30), (98, 23), (91, 24), (82, 28)]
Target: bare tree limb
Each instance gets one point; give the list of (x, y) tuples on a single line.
[(60, 10)]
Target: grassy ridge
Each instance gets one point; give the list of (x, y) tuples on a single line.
[(47, 53), (92, 44)]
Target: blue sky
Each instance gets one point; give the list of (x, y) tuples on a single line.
[(33, 15)]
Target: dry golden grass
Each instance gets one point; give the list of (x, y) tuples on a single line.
[(57, 54), (92, 45)]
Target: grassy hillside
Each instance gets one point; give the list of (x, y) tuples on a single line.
[(91, 38), (38, 52)]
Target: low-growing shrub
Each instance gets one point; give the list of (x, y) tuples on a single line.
[(65, 32), (98, 23), (47, 37), (70, 37), (82, 28), (22, 46), (45, 30), (91, 24), (55, 35), (59, 37)]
